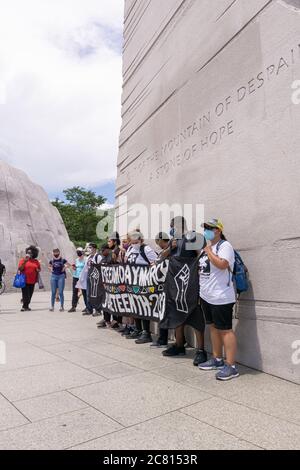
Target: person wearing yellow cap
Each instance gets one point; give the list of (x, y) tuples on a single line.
[(217, 298)]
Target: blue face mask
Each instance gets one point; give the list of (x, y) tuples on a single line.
[(209, 235)]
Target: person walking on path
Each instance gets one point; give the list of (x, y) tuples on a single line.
[(57, 267), (77, 267), (30, 266)]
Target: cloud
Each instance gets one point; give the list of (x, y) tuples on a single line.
[(60, 76)]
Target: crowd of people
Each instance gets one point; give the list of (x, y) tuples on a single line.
[(216, 299)]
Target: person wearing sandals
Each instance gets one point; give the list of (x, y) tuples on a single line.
[(217, 299), (57, 267)]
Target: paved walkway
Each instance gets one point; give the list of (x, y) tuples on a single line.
[(68, 385)]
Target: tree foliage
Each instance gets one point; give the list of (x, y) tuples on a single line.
[(79, 213)]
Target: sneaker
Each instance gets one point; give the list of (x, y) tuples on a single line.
[(227, 373), (72, 310), (51, 309), (86, 313), (144, 338), (135, 334), (200, 357), (128, 330), (174, 350), (212, 364), (84, 310), (121, 328), (96, 314), (61, 309), (101, 324), (158, 344)]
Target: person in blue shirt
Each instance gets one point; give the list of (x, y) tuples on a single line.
[(57, 267), (77, 268)]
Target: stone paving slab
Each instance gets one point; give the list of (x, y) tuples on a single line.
[(10, 416), (133, 399), (38, 380), (60, 432), (67, 384), (49, 406), (245, 423), (172, 431)]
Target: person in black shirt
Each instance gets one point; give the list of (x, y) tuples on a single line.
[(2, 270), (179, 246)]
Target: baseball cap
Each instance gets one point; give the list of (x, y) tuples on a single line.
[(214, 223)]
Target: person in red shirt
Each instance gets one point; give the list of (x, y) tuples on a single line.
[(30, 266)]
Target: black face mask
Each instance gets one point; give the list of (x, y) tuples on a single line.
[(79, 253), (57, 256)]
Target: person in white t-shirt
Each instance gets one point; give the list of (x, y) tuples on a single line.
[(140, 254), (217, 298)]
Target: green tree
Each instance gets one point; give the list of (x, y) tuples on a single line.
[(79, 213)]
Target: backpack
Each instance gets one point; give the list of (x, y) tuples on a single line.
[(239, 273)]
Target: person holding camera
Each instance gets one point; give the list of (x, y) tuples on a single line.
[(30, 266)]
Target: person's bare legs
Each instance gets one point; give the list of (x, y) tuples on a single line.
[(180, 339), (230, 345), (200, 339), (216, 341)]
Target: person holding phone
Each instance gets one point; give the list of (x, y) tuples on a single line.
[(30, 266)]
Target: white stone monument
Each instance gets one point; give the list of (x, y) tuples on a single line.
[(27, 217), (211, 115)]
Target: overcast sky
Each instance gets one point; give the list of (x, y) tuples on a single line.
[(60, 90)]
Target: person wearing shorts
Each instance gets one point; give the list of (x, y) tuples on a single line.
[(217, 299)]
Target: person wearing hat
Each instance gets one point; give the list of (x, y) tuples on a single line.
[(217, 299), (77, 268)]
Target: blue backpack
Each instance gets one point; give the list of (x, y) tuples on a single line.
[(239, 273)]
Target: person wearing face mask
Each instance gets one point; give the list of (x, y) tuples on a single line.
[(77, 268), (30, 266), (143, 255), (127, 326), (57, 267), (217, 297), (114, 243), (179, 247), (93, 258)]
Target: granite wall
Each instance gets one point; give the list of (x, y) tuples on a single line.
[(27, 217), (209, 117)]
